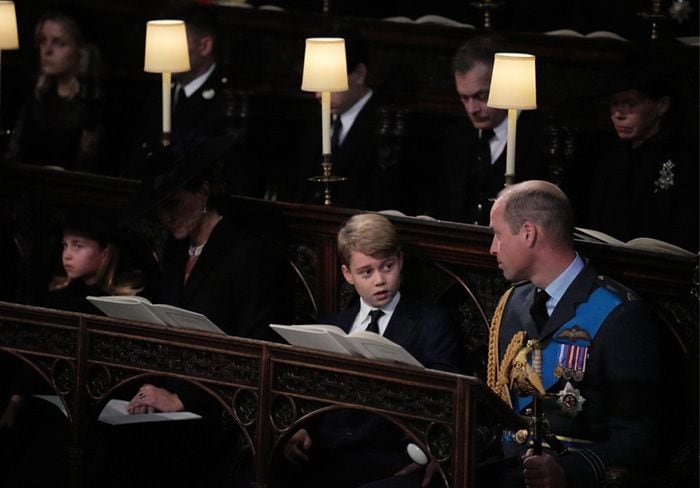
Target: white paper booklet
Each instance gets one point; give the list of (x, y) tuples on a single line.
[(361, 343), (141, 309), (590, 35), (430, 19), (645, 243), (114, 413)]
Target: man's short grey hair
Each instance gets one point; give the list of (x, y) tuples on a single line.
[(542, 203)]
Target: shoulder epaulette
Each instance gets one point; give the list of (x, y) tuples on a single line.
[(617, 288)]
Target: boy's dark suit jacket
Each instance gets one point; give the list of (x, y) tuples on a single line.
[(423, 330), (353, 447)]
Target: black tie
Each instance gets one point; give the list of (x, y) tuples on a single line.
[(374, 322), (538, 310), (483, 148), (337, 129), (179, 96)]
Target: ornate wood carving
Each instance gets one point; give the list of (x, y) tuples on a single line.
[(343, 388), (433, 407)]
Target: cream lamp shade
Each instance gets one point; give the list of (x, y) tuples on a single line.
[(8, 26), (166, 47), (325, 67), (513, 82)]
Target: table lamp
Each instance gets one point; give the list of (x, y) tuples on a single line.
[(513, 87), (325, 71), (8, 36), (166, 53)]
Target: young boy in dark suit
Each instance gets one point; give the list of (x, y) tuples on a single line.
[(350, 448)]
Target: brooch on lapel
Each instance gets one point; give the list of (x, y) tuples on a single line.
[(666, 176), (208, 94)]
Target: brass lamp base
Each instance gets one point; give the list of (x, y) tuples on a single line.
[(327, 178)]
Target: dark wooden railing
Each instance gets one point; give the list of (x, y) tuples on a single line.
[(269, 390)]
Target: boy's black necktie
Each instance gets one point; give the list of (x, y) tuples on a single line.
[(538, 310), (483, 147), (374, 322)]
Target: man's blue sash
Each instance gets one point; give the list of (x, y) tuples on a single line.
[(589, 316)]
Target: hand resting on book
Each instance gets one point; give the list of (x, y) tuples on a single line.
[(150, 399)]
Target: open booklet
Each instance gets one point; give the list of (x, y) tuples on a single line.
[(114, 413), (645, 243), (430, 19), (360, 343), (590, 35), (141, 309)]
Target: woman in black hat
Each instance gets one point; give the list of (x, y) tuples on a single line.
[(210, 263)]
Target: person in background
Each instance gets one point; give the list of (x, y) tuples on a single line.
[(599, 346), (366, 143), (645, 183), (350, 448), (61, 122), (206, 104), (202, 96), (472, 156)]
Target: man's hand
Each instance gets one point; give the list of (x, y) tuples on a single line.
[(151, 399), (298, 446), (542, 471)]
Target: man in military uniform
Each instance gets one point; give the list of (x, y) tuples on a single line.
[(581, 344)]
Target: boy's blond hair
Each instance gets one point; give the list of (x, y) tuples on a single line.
[(371, 234)]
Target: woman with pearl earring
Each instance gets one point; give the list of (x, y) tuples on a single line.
[(213, 265), (210, 263)]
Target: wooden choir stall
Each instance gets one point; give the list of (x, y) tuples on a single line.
[(271, 389)]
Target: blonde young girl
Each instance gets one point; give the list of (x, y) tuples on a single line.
[(91, 265)]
